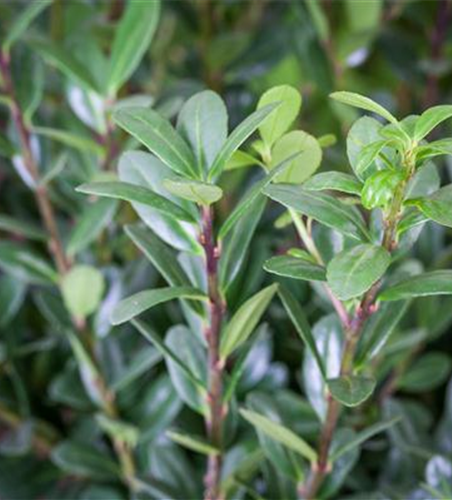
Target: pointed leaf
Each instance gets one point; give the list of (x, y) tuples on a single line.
[(193, 443), (199, 192), (334, 181), (353, 271), (437, 206), (362, 102), (280, 433), (279, 121), (159, 136), (132, 38), (131, 192), (431, 119), (351, 390), (295, 267), (245, 320), (421, 285), (238, 136), (142, 301)]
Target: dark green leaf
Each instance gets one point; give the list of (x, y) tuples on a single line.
[(22, 228), (295, 267), (432, 283), (334, 181), (351, 390), (427, 373), (437, 206)]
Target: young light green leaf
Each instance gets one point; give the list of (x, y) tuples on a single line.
[(199, 192), (82, 288), (280, 433), (118, 429), (362, 102), (22, 22), (421, 285), (435, 148), (245, 320), (132, 38), (238, 136), (70, 139), (142, 301), (351, 390), (242, 208), (353, 271), (279, 121), (362, 437), (159, 136), (132, 192), (437, 206), (241, 159), (193, 443), (203, 123), (301, 324), (431, 119), (334, 181), (368, 155), (304, 164), (321, 207), (92, 222), (294, 267), (63, 60), (152, 337)]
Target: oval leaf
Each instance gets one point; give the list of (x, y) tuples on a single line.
[(351, 390), (199, 192)]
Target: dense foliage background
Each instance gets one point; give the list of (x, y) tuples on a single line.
[(54, 440)]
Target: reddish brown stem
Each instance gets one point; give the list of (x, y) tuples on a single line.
[(214, 423)]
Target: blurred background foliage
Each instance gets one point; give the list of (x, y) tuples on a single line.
[(53, 442)]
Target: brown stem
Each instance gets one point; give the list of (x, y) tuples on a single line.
[(56, 249), (214, 423)]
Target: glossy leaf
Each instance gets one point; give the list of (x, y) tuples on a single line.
[(321, 207), (362, 102), (280, 433), (159, 136), (334, 181), (281, 120), (238, 136), (295, 267), (430, 119), (132, 39), (351, 390), (245, 320), (140, 302), (437, 206), (432, 283), (139, 194), (196, 191), (82, 288), (353, 271)]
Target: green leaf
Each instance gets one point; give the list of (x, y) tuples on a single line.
[(18, 261), (279, 121), (247, 201), (70, 139), (241, 159), (203, 123), (334, 181), (295, 267), (12, 294), (159, 136), (84, 460), (368, 154), (152, 337), (304, 164), (432, 283), (322, 208), (437, 206), (132, 39), (142, 301), (118, 429), (301, 324), (379, 189), (351, 390), (22, 228), (132, 192), (280, 433), (94, 219), (22, 22), (238, 136), (362, 102), (431, 119), (353, 271), (245, 320), (436, 148), (199, 192), (362, 437), (193, 443), (82, 288), (63, 60), (427, 373)]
